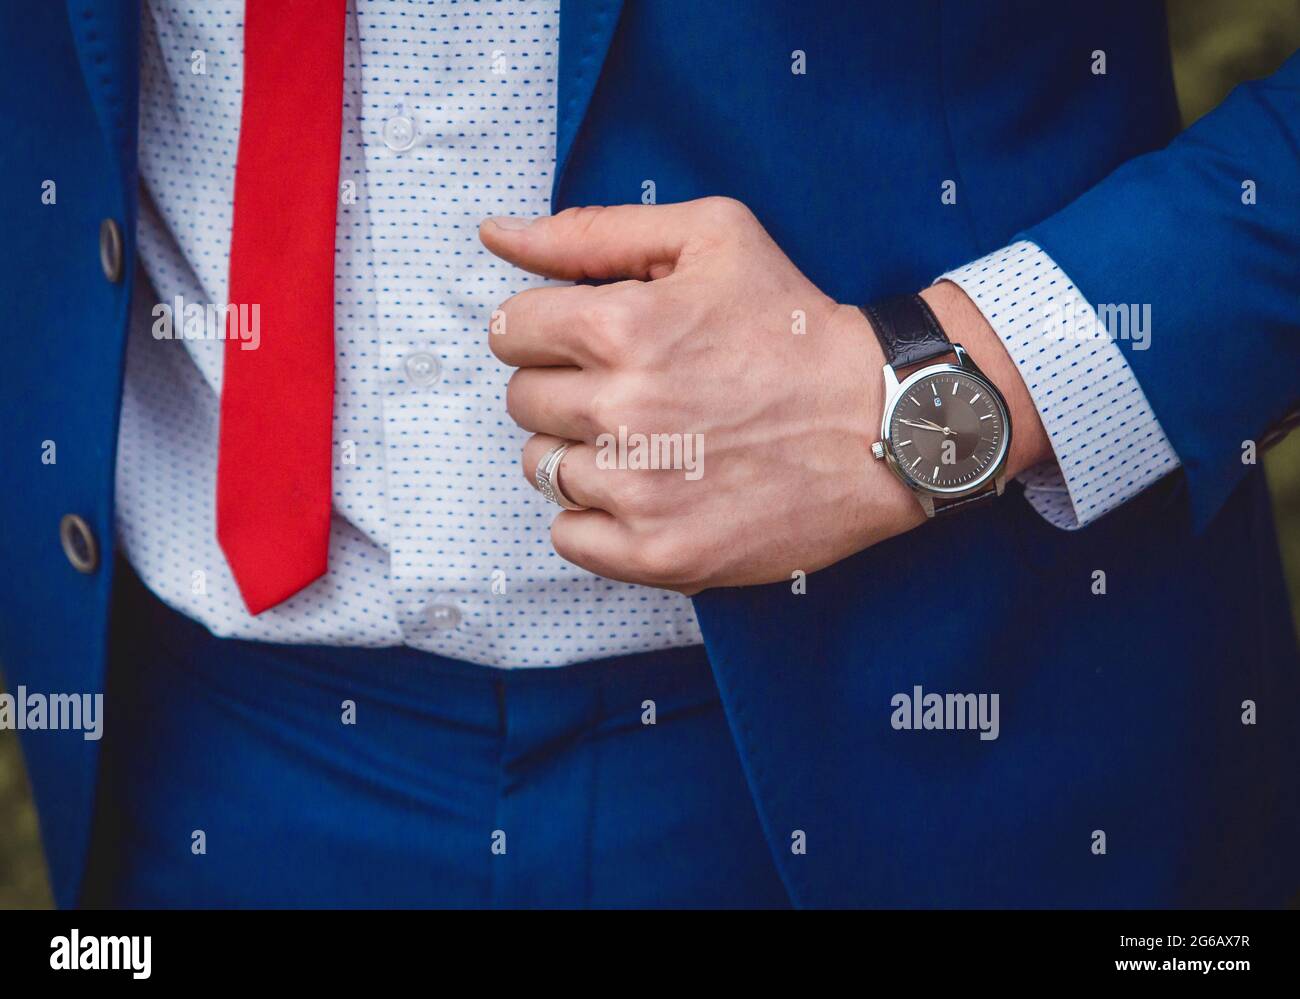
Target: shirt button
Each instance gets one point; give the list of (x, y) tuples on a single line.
[(444, 616), (399, 133), (422, 369)]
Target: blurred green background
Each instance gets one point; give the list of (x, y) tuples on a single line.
[(1216, 44)]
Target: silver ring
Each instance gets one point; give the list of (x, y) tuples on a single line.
[(547, 477)]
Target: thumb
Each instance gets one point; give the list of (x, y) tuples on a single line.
[(618, 241)]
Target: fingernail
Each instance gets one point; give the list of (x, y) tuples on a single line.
[(510, 222)]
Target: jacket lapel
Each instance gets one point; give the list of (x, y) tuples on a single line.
[(106, 36), (586, 28)]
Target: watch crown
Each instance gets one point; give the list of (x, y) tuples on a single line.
[(878, 450)]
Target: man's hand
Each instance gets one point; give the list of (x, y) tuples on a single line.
[(715, 338)]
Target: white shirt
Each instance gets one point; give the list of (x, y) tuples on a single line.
[(1108, 443), (437, 541)]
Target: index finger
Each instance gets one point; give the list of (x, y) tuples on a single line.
[(539, 328)]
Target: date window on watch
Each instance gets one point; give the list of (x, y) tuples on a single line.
[(937, 402)]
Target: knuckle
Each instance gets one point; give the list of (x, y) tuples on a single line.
[(608, 326), (636, 494), (607, 408), (726, 211), (659, 559), (511, 305), (500, 321), (579, 219), (584, 212), (515, 394), (560, 540), (565, 544)]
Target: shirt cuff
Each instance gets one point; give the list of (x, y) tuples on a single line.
[(1109, 446)]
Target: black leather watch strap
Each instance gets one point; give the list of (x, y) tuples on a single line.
[(907, 330), (946, 506)]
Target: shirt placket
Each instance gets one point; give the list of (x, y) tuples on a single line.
[(415, 351)]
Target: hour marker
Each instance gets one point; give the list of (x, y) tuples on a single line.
[(955, 386), (974, 397), (913, 398), (936, 472), (918, 458), (902, 444), (933, 389), (987, 416)]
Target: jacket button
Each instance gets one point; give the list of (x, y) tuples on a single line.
[(110, 250), (78, 542)]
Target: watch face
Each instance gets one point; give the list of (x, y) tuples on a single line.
[(947, 430)]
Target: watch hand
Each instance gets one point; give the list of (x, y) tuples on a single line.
[(923, 425)]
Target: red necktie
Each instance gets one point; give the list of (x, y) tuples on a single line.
[(277, 401)]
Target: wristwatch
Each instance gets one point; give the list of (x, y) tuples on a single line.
[(945, 431)]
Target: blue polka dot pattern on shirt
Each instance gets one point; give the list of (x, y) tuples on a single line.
[(1108, 443), (448, 117)]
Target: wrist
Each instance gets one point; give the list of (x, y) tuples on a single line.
[(965, 324), (886, 506)]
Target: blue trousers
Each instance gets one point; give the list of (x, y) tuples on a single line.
[(245, 774)]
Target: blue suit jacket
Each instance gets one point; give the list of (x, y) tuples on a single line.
[(1120, 713)]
